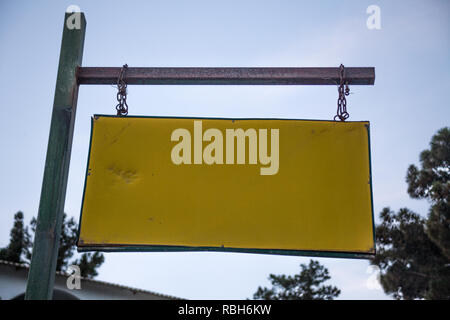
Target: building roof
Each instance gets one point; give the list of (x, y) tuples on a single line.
[(104, 283)]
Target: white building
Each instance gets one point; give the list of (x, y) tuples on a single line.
[(13, 281)]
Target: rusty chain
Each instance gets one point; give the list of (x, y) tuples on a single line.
[(122, 106), (342, 113)]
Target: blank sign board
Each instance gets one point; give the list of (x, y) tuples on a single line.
[(277, 186)]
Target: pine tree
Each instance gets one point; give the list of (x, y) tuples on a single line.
[(307, 285), (412, 252), (19, 242), (21, 246), (88, 263), (432, 182)]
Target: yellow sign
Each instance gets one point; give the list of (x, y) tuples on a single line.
[(247, 185)]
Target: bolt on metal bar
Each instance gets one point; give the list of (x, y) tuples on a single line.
[(226, 76)]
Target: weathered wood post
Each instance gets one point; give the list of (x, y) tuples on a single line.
[(41, 276)]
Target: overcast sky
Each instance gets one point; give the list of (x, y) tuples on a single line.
[(407, 105)]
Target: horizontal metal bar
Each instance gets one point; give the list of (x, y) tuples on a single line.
[(226, 76)]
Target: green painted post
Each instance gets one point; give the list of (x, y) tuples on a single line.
[(41, 276)]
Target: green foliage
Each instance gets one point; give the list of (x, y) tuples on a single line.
[(413, 253), (411, 264), (20, 247), (19, 242), (307, 285), (88, 264), (432, 182)]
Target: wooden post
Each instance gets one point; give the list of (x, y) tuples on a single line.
[(41, 276)]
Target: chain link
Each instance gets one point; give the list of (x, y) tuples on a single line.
[(122, 106), (342, 113)]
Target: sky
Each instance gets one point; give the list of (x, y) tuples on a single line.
[(405, 107)]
